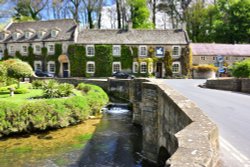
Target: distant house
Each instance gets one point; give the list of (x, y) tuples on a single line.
[(149, 43), (45, 45), (17, 38), (204, 53)]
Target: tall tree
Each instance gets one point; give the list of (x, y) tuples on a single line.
[(118, 11), (29, 9), (75, 9), (140, 14), (153, 4)]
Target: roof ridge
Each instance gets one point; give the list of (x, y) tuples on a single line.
[(35, 21)]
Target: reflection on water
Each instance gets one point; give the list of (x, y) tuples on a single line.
[(112, 142)]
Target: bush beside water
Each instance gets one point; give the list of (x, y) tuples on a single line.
[(42, 114)]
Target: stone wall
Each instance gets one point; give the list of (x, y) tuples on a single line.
[(239, 85), (173, 123)]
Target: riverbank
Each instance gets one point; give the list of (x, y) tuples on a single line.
[(31, 149)]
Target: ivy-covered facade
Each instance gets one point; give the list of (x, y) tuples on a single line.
[(57, 47)]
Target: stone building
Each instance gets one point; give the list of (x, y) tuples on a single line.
[(17, 38), (36, 42), (204, 53), (149, 44)]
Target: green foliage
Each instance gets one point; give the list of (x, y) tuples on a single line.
[(38, 84), (103, 60), (241, 69), (33, 115), (21, 91), (140, 14), (20, 69), (223, 22), (3, 74), (83, 87), (126, 57), (185, 61), (52, 89), (77, 57), (58, 52), (168, 64)]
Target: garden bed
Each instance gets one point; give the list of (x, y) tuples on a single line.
[(22, 114)]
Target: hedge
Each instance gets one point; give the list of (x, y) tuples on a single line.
[(36, 115)]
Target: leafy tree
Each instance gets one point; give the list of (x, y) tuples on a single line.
[(241, 69), (3, 74), (19, 69), (140, 14)]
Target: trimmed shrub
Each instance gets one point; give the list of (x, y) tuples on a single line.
[(21, 91), (205, 68), (241, 69), (83, 87), (38, 84)]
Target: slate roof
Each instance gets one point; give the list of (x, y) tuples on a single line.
[(146, 37), (205, 49), (66, 26)]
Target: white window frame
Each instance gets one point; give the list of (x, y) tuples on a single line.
[(23, 51), (179, 69), (87, 50), (113, 66), (15, 36), (37, 62), (27, 34), (87, 67), (54, 33), (2, 36), (48, 47), (179, 51), (49, 66), (12, 49), (142, 64), (140, 51), (135, 69), (35, 49), (203, 58), (116, 53), (40, 34)]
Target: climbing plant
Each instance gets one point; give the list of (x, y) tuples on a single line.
[(168, 64), (185, 61), (103, 60), (77, 59)]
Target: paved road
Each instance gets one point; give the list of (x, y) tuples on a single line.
[(230, 111)]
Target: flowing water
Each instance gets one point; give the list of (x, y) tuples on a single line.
[(112, 141)]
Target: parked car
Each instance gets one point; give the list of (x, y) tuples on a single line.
[(43, 74), (123, 75)]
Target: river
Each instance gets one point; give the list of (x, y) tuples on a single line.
[(111, 141)]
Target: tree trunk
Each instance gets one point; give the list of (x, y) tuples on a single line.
[(118, 13), (91, 26), (154, 13)]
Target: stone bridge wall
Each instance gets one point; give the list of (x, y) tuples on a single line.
[(174, 128), (238, 85)]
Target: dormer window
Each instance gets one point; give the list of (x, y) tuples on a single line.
[(27, 35), (15, 35), (40, 34), (54, 33), (2, 36)]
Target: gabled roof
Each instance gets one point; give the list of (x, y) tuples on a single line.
[(67, 28), (205, 49), (146, 37)]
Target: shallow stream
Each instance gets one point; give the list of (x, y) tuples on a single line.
[(112, 141)]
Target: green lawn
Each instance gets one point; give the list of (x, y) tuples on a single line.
[(19, 98)]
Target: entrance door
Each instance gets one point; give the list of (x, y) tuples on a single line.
[(65, 70), (159, 70)]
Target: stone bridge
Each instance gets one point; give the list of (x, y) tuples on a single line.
[(176, 133)]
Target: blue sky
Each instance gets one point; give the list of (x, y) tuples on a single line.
[(7, 9)]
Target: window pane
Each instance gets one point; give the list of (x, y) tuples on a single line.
[(116, 67), (38, 48), (52, 67), (176, 51), (116, 50), (175, 68), (38, 67), (143, 51), (135, 67), (90, 67), (90, 51), (143, 67)]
